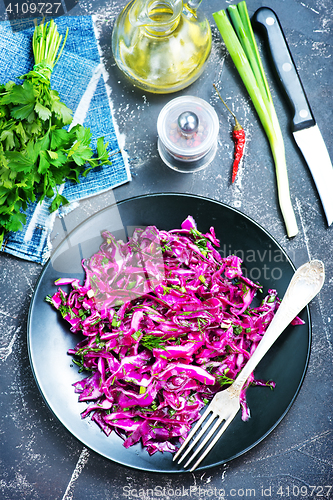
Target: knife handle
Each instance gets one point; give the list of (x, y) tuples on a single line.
[(267, 21)]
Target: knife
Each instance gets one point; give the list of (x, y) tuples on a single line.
[(304, 127)]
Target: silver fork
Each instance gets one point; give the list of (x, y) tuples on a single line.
[(303, 287)]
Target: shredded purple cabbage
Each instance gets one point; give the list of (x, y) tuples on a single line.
[(166, 323)]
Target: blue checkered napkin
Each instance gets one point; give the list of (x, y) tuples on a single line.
[(79, 79)]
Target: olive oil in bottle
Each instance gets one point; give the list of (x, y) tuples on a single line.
[(161, 45)]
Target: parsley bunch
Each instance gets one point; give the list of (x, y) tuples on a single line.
[(36, 152)]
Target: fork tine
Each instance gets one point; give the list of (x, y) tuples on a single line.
[(198, 436), (214, 441), (193, 431), (205, 441)]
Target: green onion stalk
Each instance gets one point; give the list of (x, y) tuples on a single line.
[(240, 42)]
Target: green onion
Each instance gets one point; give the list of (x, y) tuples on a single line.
[(239, 39)]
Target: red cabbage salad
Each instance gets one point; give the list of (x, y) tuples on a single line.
[(166, 323)]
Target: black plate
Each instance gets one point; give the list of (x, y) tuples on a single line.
[(49, 337)]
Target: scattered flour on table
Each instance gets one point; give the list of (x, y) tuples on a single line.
[(19, 484), (6, 350), (82, 461), (311, 8)]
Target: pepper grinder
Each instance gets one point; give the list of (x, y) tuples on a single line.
[(187, 130)]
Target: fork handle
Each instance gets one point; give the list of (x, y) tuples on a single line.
[(303, 287)]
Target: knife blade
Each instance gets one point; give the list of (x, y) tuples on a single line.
[(304, 127)]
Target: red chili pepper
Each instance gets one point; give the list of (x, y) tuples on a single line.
[(238, 136)]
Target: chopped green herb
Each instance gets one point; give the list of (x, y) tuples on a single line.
[(224, 379), (137, 335), (238, 329), (115, 321), (153, 342)]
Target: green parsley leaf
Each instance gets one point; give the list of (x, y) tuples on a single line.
[(62, 112), (7, 136), (42, 111), (18, 161)]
